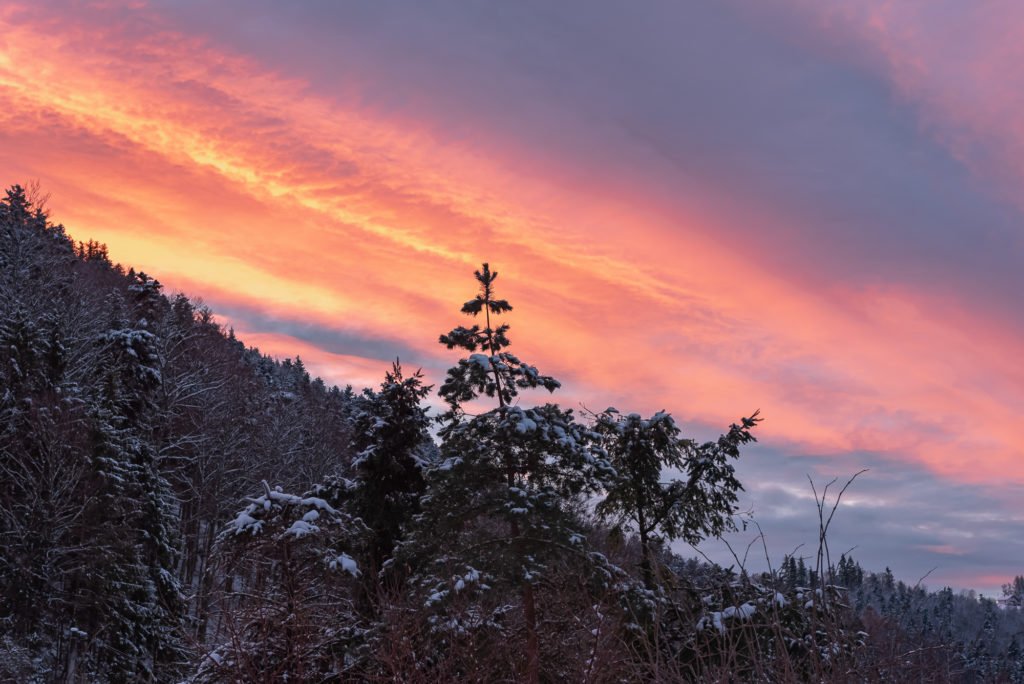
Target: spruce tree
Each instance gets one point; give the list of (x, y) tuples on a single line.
[(106, 389), (802, 576), (134, 606), (389, 433), (39, 420)]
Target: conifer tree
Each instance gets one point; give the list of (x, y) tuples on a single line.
[(389, 431), (106, 390), (701, 504), (37, 458), (499, 503), (290, 563), (788, 572), (134, 607), (497, 373)]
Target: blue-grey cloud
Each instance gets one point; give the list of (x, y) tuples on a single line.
[(331, 339), (897, 514)]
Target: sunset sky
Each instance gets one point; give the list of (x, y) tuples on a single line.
[(812, 209)]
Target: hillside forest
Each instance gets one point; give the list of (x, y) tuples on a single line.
[(177, 507)]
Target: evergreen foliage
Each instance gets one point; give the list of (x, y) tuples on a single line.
[(701, 505), (129, 427), (504, 499), (495, 373), (389, 435), (290, 568)]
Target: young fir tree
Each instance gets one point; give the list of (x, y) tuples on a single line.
[(499, 504), (389, 432), (692, 508), (289, 567)]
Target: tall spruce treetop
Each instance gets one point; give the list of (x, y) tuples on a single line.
[(495, 373)]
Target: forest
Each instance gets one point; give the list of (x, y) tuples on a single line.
[(177, 507)]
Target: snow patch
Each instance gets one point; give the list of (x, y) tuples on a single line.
[(301, 528), (347, 564), (526, 425)]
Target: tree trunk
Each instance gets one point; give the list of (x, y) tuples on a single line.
[(490, 344), (206, 578), (72, 661), (532, 644), (645, 550), (530, 618)]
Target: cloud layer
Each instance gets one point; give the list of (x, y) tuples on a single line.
[(708, 209)]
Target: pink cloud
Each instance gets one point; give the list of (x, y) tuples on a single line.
[(216, 173), (943, 549)]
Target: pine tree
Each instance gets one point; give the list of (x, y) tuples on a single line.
[(849, 573), (788, 572), (497, 373), (702, 504), (39, 421), (1015, 662), (106, 389), (500, 503), (133, 607), (802, 577)]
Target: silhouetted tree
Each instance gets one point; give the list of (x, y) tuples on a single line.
[(389, 433), (642, 451), (500, 503)]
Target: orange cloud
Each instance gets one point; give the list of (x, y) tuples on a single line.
[(213, 172)]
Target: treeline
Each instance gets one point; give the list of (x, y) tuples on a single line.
[(176, 507), (978, 634)]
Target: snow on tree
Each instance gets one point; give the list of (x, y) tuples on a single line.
[(136, 602), (700, 505), (1013, 592), (127, 424), (495, 373), (84, 518), (389, 433), (289, 564), (502, 501)]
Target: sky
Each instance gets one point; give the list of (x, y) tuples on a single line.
[(811, 209)]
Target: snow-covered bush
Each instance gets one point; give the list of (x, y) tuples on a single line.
[(289, 572)]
